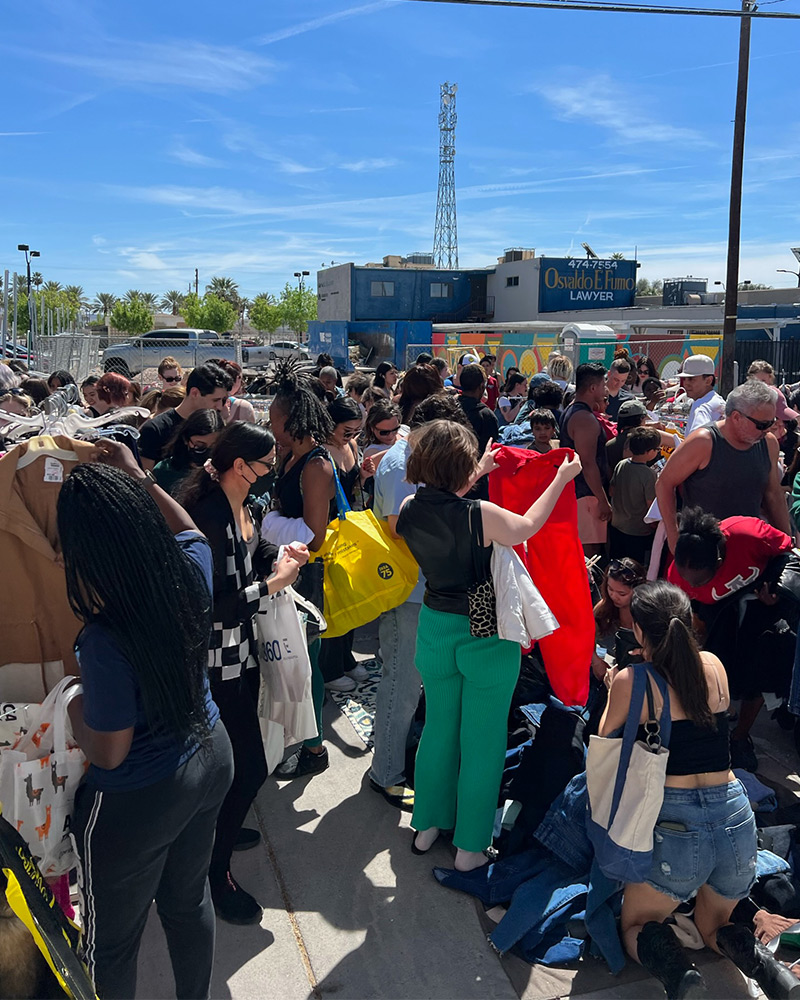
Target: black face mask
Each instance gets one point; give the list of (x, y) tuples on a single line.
[(199, 455)]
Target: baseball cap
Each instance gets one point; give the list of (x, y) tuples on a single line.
[(632, 408), (697, 364), (468, 359)]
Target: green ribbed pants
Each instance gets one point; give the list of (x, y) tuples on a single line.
[(468, 687)]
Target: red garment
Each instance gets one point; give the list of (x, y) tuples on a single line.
[(607, 424), (492, 392), (750, 545), (555, 561)]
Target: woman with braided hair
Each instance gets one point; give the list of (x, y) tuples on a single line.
[(304, 494), (159, 758)]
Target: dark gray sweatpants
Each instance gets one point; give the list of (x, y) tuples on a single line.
[(152, 843)]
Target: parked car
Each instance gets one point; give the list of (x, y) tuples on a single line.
[(190, 347), (254, 357)]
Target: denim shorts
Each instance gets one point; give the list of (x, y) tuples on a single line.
[(704, 836)]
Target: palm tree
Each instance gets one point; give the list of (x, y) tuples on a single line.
[(76, 295), (150, 300), (52, 286), (132, 295), (618, 256), (172, 301), (36, 279), (224, 288), (103, 303)]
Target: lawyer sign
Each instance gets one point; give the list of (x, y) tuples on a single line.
[(570, 283)]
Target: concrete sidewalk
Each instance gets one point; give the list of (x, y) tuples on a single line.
[(348, 910)]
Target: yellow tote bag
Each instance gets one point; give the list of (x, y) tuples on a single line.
[(367, 570)]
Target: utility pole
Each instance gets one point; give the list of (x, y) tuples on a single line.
[(196, 283), (735, 213), (5, 311)]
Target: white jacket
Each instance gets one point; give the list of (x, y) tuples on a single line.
[(522, 615)]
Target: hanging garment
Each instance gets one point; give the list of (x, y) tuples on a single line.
[(554, 558), (522, 615), (37, 626)]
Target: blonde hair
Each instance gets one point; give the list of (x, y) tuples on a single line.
[(26, 401), (559, 367), (170, 398)]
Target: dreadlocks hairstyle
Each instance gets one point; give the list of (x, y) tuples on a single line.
[(161, 621), (240, 439), (306, 415)]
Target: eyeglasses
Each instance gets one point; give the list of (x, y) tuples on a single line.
[(626, 573), (387, 432), (348, 434), (269, 466), (171, 378), (760, 425)]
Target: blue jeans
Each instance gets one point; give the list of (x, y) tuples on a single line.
[(398, 693)]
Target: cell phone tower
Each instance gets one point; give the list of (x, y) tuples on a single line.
[(445, 235)]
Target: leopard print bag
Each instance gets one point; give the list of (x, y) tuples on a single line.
[(481, 595)]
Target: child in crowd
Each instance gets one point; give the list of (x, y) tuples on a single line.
[(543, 426), (633, 489)]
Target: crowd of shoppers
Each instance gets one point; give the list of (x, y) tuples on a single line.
[(690, 543)]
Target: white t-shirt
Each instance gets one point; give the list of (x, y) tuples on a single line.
[(706, 410)]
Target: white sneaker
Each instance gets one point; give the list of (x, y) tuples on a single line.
[(359, 673), (342, 684)]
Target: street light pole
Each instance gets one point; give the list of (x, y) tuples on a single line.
[(301, 275), (782, 270), (31, 315)]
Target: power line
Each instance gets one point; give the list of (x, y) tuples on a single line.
[(614, 7)]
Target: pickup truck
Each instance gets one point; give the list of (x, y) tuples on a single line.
[(190, 347), (257, 357)]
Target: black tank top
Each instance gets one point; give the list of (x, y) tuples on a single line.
[(581, 486), (733, 482), (288, 492), (697, 749)]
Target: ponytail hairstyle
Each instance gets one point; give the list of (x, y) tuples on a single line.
[(306, 414), (344, 409), (113, 389), (381, 372), (420, 382), (240, 439), (160, 621), (664, 614), (382, 409), (701, 543)]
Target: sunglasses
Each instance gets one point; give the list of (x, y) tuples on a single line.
[(269, 466), (760, 425), (625, 573), (171, 378), (386, 433)]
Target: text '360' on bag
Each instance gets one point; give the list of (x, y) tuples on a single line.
[(367, 570)]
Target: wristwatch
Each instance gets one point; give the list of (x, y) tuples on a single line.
[(148, 474)]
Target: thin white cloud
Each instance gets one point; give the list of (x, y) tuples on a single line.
[(9, 134), (377, 163), (216, 69), (322, 22), (600, 101), (240, 139), (191, 157)]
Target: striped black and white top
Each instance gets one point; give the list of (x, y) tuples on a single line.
[(240, 589)]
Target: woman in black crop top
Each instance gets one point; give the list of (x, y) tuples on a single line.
[(468, 681), (303, 492), (704, 841)]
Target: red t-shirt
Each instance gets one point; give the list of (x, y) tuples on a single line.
[(751, 544)]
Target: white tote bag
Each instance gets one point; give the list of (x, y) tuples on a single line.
[(285, 702), (38, 780)]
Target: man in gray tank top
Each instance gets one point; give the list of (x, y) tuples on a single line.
[(729, 467)]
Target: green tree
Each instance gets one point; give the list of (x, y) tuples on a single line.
[(297, 307), (36, 279), (52, 286), (171, 302), (752, 286), (618, 256), (132, 295), (103, 303), (76, 294), (264, 314), (133, 318), (208, 313), (225, 289), (150, 300)]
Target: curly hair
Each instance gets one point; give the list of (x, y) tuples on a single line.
[(306, 414)]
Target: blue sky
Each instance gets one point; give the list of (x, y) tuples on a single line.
[(257, 139)]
